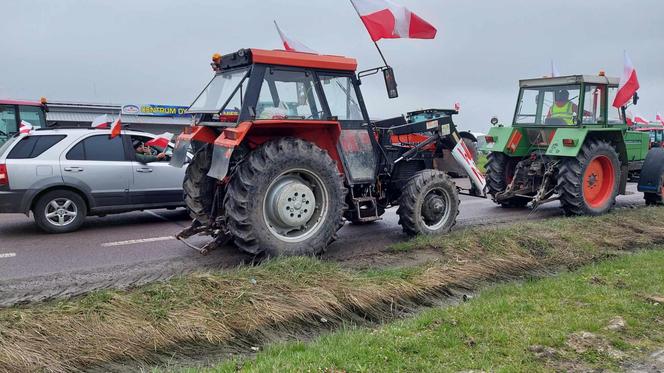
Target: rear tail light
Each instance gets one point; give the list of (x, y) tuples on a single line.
[(4, 177), (489, 139), (568, 142)]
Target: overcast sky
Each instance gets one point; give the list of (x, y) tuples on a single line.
[(140, 52)]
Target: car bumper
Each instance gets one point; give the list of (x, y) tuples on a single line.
[(11, 201)]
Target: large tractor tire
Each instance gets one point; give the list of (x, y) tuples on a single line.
[(429, 204), (285, 198), (588, 183), (199, 188), (499, 174)]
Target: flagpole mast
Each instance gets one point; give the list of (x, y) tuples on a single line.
[(375, 43)]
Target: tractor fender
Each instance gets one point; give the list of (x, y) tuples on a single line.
[(186, 138), (506, 140), (567, 142), (324, 134), (652, 171)]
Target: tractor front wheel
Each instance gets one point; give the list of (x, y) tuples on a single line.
[(429, 204), (588, 184), (500, 170), (285, 198)]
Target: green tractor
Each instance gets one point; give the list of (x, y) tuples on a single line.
[(566, 142)]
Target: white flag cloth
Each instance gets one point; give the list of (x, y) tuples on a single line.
[(291, 44), (102, 121), (25, 127)]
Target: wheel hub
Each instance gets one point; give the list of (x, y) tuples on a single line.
[(433, 208), (290, 203)]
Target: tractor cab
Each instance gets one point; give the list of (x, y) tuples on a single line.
[(577, 100), (12, 112)]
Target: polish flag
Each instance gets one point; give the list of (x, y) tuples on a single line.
[(101, 122), (25, 127), (161, 141), (385, 19), (659, 119), (116, 128), (629, 84), (292, 45), (464, 157), (638, 118)]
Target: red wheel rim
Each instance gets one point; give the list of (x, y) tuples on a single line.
[(598, 181)]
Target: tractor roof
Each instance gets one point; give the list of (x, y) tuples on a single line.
[(568, 80), (20, 102), (245, 57)]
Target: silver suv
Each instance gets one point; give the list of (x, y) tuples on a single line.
[(63, 175)]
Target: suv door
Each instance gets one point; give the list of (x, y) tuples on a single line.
[(100, 166), (155, 183)]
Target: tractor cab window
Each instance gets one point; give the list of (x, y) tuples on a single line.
[(33, 115), (225, 92), (594, 104), (615, 116), (341, 97), (288, 95), (7, 122), (550, 106)]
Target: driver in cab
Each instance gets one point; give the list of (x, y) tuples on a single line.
[(144, 153), (562, 109)]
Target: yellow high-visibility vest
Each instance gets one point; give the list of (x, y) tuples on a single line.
[(565, 112)]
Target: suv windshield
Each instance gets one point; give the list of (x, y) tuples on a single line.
[(551, 106), (224, 87)]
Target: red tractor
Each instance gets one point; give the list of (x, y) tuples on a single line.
[(13, 112), (285, 152)]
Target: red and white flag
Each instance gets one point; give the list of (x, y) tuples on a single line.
[(116, 128), (101, 122), (464, 157), (385, 19), (629, 84), (640, 119), (659, 119), (161, 141), (457, 106), (25, 127), (291, 44)]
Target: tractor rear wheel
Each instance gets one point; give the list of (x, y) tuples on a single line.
[(198, 187), (429, 204), (285, 198), (588, 184), (499, 174)]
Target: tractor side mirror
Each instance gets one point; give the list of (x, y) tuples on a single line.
[(390, 82), (635, 99)]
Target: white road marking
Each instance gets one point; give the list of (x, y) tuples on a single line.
[(137, 241), (7, 255)]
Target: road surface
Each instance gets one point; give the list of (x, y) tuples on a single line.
[(136, 248)]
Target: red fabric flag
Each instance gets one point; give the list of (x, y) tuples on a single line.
[(25, 127), (116, 128), (385, 19), (629, 84), (161, 141), (101, 122)]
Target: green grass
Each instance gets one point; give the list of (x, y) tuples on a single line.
[(494, 331), (481, 162)]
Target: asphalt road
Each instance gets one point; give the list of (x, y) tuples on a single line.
[(135, 248)]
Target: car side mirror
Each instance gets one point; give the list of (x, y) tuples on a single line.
[(635, 99), (390, 82)]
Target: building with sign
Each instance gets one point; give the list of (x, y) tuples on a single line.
[(149, 117)]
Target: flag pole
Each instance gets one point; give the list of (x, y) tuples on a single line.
[(375, 43)]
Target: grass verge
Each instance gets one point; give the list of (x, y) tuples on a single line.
[(602, 317), (248, 307)]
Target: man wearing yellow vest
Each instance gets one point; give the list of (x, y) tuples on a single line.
[(563, 109)]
